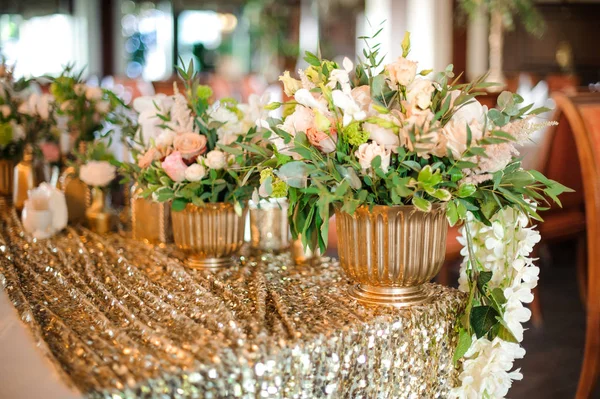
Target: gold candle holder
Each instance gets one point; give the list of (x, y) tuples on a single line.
[(150, 220), (77, 193), (23, 178), (391, 251), (209, 235), (269, 226), (99, 218)]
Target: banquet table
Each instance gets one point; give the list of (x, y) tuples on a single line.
[(84, 315)]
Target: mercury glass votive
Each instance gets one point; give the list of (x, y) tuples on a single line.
[(269, 226)]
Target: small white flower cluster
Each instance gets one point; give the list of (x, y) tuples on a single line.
[(503, 249)]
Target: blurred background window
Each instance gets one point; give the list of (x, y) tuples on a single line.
[(147, 33), (40, 45)]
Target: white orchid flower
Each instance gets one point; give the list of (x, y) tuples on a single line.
[(352, 111), (341, 76)]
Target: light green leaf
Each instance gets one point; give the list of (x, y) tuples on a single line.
[(294, 173), (421, 204), (466, 190), (442, 194), (464, 343)]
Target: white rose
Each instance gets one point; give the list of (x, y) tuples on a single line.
[(102, 107), (368, 151), (456, 135), (6, 111), (97, 173), (93, 93), (215, 159), (419, 93), (165, 139), (472, 111), (195, 172), (401, 72)]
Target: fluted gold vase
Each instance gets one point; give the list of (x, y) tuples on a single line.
[(391, 251), (209, 235)]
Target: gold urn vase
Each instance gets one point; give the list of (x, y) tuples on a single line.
[(7, 167), (209, 235), (391, 251), (269, 226)]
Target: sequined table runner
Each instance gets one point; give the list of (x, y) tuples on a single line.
[(122, 319)]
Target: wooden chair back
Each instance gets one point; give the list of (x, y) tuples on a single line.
[(583, 114)]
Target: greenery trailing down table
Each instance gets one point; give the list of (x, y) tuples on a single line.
[(123, 319)]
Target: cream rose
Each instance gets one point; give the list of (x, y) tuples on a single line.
[(195, 172), (215, 159), (299, 121), (321, 140), (401, 72), (165, 139), (102, 107), (472, 111), (362, 96), (190, 145), (456, 135), (368, 151), (6, 111), (79, 89), (419, 93), (97, 173), (93, 93)]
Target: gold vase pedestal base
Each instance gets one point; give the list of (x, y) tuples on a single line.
[(399, 297), (198, 263)]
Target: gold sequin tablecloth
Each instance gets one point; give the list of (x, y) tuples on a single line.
[(121, 319)]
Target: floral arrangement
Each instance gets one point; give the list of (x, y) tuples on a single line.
[(86, 108), (25, 116), (195, 151), (375, 134)]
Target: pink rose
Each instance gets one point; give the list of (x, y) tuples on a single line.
[(190, 145), (51, 152), (174, 166), (150, 156), (323, 141)]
